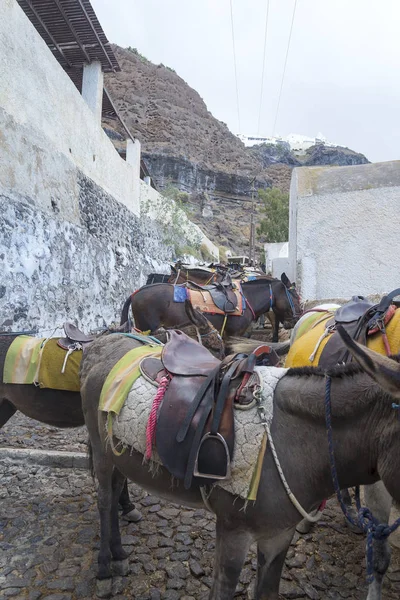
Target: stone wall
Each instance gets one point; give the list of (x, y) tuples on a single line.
[(54, 270), (344, 232)]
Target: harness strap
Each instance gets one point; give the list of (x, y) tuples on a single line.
[(223, 325), (222, 395), (184, 428)]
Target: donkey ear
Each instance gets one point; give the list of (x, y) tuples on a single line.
[(384, 370), (173, 270), (285, 280)]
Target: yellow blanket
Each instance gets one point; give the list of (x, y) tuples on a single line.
[(22, 360), (305, 345), (122, 376), (31, 360)]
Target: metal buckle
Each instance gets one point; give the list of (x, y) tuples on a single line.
[(221, 439)]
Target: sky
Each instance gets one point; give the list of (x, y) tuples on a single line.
[(342, 69)]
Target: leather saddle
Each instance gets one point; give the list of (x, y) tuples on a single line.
[(74, 338), (195, 422), (360, 318), (222, 294)]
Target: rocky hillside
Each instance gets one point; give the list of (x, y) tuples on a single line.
[(185, 146)]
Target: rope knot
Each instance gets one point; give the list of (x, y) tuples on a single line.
[(381, 531)]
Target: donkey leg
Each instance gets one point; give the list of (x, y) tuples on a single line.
[(275, 335), (104, 503), (230, 552), (6, 412), (118, 481), (379, 501), (271, 555), (103, 469), (129, 511)]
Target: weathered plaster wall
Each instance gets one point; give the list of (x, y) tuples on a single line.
[(73, 240), (53, 270), (41, 98), (344, 230)]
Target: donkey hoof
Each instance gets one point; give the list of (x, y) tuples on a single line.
[(304, 526), (134, 516), (121, 567), (104, 588)]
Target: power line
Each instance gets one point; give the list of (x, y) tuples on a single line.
[(263, 67), (284, 68), (234, 62)]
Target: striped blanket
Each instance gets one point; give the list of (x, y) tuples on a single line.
[(202, 300), (41, 361)]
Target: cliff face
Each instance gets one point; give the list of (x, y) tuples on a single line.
[(185, 146)]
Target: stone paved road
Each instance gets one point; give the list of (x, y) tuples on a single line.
[(49, 539)]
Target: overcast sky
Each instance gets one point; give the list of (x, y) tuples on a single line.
[(342, 75)]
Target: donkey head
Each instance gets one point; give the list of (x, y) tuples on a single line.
[(385, 371), (292, 310)]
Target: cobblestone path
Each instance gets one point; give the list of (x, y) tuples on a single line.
[(49, 539)]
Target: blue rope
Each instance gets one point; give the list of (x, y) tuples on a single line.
[(289, 297), (366, 520)]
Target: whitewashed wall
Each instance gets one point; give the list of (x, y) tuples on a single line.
[(73, 242), (273, 250), (344, 230)]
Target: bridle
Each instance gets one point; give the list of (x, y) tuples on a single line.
[(289, 291)]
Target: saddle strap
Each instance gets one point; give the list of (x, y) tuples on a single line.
[(184, 428), (222, 395)]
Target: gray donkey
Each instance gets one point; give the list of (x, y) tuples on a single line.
[(366, 433)]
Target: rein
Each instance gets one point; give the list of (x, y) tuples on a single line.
[(366, 520)]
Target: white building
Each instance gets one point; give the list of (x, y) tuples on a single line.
[(297, 142)]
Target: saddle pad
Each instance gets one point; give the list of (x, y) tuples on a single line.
[(31, 360), (202, 300), (22, 359), (122, 376), (129, 427), (308, 321), (303, 347), (180, 293), (51, 366)]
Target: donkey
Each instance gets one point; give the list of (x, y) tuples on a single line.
[(61, 408), (153, 306), (367, 448), (376, 496)]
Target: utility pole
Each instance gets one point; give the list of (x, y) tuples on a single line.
[(252, 252)]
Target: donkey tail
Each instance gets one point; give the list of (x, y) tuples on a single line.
[(125, 310)]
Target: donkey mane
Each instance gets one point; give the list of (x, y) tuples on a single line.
[(347, 370)]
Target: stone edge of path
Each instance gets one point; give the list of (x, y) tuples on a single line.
[(48, 458)]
